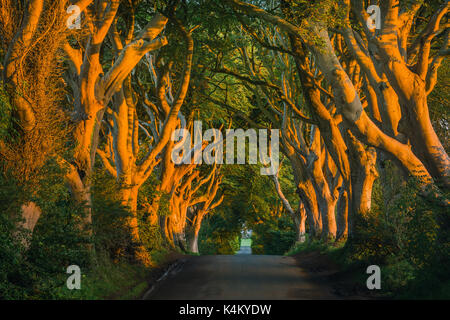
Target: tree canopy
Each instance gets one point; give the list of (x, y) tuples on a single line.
[(93, 92)]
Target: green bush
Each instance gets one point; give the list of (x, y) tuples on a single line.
[(274, 242), (220, 234), (275, 236), (409, 238), (112, 236), (11, 249), (57, 241)]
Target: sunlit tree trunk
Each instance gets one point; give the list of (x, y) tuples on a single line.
[(123, 161), (199, 207), (28, 67), (313, 216), (413, 86), (346, 97), (193, 237), (30, 216), (193, 228), (364, 173), (356, 118), (342, 216), (300, 223), (96, 90), (306, 193), (298, 217)]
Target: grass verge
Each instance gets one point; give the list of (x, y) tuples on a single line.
[(117, 281)]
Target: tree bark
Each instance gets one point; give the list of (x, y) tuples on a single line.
[(30, 215), (193, 233), (350, 107), (300, 224), (411, 86), (342, 216), (298, 217), (193, 243), (364, 173)]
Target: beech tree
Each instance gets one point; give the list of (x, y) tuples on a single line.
[(122, 157), (200, 206), (327, 61), (317, 183), (99, 99), (337, 92), (31, 34), (93, 90)]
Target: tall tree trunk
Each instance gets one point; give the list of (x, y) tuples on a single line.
[(20, 44), (328, 209), (306, 193), (193, 242), (313, 216), (81, 192), (326, 199), (300, 223), (94, 90), (364, 173), (298, 217), (180, 240), (412, 86), (398, 84), (425, 143), (342, 216), (163, 227), (129, 199), (194, 230), (30, 215), (349, 104)]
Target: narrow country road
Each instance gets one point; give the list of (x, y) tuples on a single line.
[(241, 276)]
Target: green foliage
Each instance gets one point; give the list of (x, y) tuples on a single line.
[(274, 236), (407, 234), (438, 103), (328, 12), (273, 229), (33, 271), (151, 238), (220, 233), (410, 238), (8, 123), (11, 247), (112, 236), (311, 245), (5, 113), (39, 271), (108, 280), (164, 205)]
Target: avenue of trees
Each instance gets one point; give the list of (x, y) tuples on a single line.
[(89, 106)]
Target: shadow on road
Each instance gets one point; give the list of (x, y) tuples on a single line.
[(241, 277)]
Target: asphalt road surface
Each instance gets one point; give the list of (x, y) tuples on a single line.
[(238, 277), (245, 250)]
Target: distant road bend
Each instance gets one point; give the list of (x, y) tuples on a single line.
[(241, 276)]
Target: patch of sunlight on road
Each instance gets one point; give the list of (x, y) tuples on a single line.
[(246, 247)]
